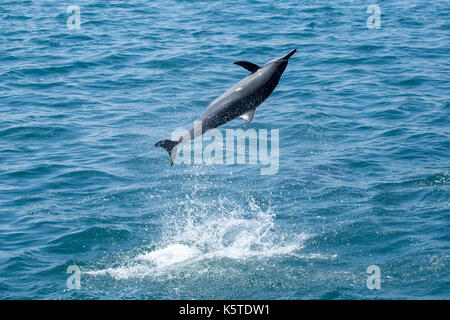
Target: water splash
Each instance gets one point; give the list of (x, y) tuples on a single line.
[(208, 232)]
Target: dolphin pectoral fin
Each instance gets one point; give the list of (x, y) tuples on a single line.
[(248, 116), (247, 65)]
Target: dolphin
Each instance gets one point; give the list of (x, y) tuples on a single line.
[(240, 100)]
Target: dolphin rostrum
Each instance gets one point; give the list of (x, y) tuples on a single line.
[(240, 100)]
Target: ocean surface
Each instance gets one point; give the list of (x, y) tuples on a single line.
[(364, 151)]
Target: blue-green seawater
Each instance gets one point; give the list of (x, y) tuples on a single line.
[(364, 167)]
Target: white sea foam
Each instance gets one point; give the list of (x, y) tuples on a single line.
[(232, 234)]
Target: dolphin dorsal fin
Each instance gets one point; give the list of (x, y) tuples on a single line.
[(248, 65), (248, 116)]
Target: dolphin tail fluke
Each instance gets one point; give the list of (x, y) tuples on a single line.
[(170, 147)]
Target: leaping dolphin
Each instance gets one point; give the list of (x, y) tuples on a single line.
[(240, 100)]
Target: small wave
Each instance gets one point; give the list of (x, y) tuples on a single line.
[(28, 132), (437, 179)]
